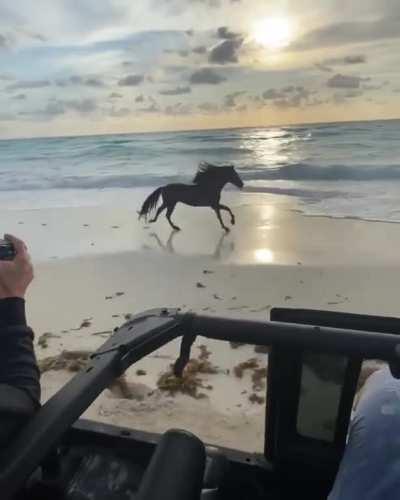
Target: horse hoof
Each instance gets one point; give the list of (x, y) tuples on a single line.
[(176, 228), (226, 229), (233, 222)]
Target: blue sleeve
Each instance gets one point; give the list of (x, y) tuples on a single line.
[(370, 468)]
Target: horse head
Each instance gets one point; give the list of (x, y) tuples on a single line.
[(233, 177)]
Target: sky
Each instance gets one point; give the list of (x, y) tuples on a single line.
[(70, 67)]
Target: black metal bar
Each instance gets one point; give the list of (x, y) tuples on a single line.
[(141, 335), (382, 346)]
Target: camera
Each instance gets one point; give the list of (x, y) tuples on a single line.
[(7, 250)]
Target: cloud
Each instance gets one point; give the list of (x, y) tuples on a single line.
[(317, 102), (31, 34), (19, 97), (91, 81), (224, 33), (180, 52), (176, 91), (271, 94), (6, 117), (38, 36), (351, 94), (139, 98), (349, 32), (200, 49), (72, 80), (352, 59), (115, 95), (174, 68), (82, 106), (28, 84), (226, 51), (4, 42), (178, 109), (291, 96), (208, 107), (206, 76), (323, 67), (57, 107), (94, 82), (6, 77), (355, 59), (373, 87), (54, 108), (342, 97), (131, 81), (120, 112), (179, 6), (75, 79), (230, 99), (340, 81), (152, 108)]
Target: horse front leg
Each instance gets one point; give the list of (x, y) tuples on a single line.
[(224, 207), (218, 214)]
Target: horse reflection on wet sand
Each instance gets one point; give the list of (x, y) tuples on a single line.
[(204, 192), (221, 250)]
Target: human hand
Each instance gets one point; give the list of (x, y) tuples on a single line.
[(16, 274)]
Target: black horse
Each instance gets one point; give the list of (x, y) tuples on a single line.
[(204, 192)]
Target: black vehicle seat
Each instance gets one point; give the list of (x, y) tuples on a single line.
[(176, 470), (216, 470)]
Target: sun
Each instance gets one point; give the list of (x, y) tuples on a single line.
[(273, 32)]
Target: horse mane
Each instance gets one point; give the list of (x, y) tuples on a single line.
[(205, 172)]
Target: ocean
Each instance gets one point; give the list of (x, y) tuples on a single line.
[(337, 169)]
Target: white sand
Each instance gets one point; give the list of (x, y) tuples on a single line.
[(273, 257)]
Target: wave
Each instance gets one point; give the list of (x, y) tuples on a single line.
[(239, 137), (93, 182), (303, 171), (309, 195), (294, 172), (219, 151)]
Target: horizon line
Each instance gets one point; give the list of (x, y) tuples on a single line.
[(181, 131)]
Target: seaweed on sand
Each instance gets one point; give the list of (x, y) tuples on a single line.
[(258, 376), (71, 361), (190, 382)]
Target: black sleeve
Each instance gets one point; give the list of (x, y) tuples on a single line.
[(19, 373), (12, 312)]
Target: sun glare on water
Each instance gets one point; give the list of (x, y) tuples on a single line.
[(273, 32)]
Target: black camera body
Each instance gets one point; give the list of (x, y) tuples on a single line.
[(7, 250)]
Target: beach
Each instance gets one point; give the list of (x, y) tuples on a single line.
[(94, 266)]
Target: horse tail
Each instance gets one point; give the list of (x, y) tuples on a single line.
[(150, 203)]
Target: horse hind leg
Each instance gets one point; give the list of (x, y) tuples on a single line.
[(170, 209), (159, 210)]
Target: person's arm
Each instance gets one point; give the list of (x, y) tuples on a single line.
[(19, 373)]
